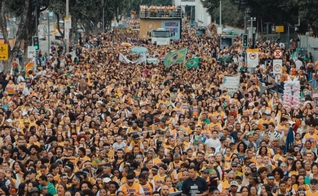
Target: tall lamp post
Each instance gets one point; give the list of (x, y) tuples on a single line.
[(67, 39), (103, 18), (220, 14)]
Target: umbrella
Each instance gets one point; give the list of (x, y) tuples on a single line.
[(289, 139), (125, 44), (139, 50)]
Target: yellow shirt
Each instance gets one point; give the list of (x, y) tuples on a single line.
[(309, 193), (134, 189), (148, 189)]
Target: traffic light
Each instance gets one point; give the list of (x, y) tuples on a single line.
[(245, 40), (36, 42), (253, 40)]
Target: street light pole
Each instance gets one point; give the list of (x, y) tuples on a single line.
[(48, 33), (267, 29), (103, 18), (220, 13), (36, 19), (67, 16), (245, 21)]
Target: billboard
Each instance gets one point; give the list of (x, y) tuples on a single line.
[(150, 24)]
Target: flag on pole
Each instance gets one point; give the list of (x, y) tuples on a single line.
[(175, 57), (193, 63)]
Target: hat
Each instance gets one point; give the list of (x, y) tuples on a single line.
[(31, 171), (234, 183), (135, 136), (290, 157), (155, 168), (106, 180), (206, 171), (270, 177), (69, 166), (35, 190), (283, 164), (211, 155), (49, 175), (234, 164), (222, 138)]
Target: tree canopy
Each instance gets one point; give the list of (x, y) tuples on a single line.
[(277, 12)]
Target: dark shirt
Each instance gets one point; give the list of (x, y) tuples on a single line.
[(192, 187)]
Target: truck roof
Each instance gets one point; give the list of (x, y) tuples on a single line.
[(161, 29)]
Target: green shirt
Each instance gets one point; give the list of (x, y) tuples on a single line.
[(50, 188)]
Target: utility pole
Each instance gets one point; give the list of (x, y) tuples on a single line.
[(67, 40), (267, 29), (252, 32), (251, 29), (36, 18), (245, 21), (191, 16), (220, 13), (103, 18), (48, 33)]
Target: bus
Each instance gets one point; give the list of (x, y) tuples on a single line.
[(57, 34)]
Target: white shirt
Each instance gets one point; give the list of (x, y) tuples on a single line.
[(298, 64), (215, 143), (117, 146)]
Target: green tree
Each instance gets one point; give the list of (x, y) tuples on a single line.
[(231, 15), (307, 13), (279, 12), (89, 12), (24, 10)]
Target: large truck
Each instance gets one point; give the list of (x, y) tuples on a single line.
[(161, 36), (227, 41)]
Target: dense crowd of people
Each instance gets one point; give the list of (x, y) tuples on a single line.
[(160, 11), (91, 125)]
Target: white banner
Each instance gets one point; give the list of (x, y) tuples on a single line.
[(31, 52), (252, 57), (154, 61), (67, 23), (124, 59), (231, 84), (140, 60)]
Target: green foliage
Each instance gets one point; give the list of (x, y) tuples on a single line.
[(156, 2), (231, 15), (278, 12), (307, 13)]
